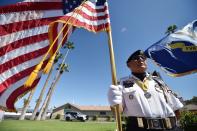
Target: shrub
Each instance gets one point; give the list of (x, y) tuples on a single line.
[(188, 121), (95, 118), (57, 116), (108, 118)]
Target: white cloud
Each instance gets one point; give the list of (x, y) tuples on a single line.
[(123, 29)]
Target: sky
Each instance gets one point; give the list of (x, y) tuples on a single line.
[(136, 24)]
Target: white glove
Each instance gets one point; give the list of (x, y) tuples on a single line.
[(115, 95)]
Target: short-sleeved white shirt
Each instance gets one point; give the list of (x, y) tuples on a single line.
[(136, 103)]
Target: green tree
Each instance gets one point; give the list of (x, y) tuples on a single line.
[(171, 29), (192, 101)]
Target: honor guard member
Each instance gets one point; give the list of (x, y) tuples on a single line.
[(146, 101)]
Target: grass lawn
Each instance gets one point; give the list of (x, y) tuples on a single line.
[(55, 125)]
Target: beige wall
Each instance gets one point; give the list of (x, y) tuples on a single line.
[(89, 113), (61, 112), (97, 113)]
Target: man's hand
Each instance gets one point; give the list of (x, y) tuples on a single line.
[(178, 114), (115, 95)]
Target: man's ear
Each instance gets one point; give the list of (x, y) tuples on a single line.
[(129, 64)]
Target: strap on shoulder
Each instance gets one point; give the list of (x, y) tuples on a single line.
[(161, 84)]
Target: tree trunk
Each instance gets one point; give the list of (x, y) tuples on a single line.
[(49, 98), (24, 110), (42, 113), (43, 105), (41, 96)]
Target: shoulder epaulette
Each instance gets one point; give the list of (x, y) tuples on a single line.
[(127, 82)]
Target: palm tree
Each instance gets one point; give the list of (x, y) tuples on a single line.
[(171, 29), (69, 45), (26, 104), (61, 69), (44, 108), (39, 100)]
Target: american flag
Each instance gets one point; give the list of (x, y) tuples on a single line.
[(24, 29), (24, 41), (92, 15)]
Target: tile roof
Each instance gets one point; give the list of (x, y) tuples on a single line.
[(94, 108), (86, 108), (191, 107)]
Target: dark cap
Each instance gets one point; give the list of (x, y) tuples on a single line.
[(135, 54)]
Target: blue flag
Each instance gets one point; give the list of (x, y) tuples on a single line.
[(177, 52)]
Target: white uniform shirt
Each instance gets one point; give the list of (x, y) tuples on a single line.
[(136, 103)]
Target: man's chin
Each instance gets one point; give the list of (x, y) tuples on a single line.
[(142, 69)]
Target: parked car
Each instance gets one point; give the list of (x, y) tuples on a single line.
[(69, 116)]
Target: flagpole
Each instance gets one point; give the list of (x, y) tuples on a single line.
[(114, 80)]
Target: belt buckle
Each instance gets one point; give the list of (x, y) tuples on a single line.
[(154, 124)]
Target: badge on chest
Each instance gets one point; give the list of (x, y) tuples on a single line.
[(147, 95)]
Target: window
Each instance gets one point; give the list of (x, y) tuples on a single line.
[(102, 113)]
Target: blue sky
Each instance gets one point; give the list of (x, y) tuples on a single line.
[(136, 24)]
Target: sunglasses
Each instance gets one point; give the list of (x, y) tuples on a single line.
[(139, 57)]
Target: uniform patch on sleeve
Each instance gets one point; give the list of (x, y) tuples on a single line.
[(128, 83)]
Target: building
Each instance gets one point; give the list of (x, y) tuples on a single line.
[(102, 112), (16, 115), (190, 107)]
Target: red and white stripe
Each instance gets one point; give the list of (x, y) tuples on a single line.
[(24, 41), (89, 16)]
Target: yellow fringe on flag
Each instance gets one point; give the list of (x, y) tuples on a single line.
[(33, 75), (49, 65)]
